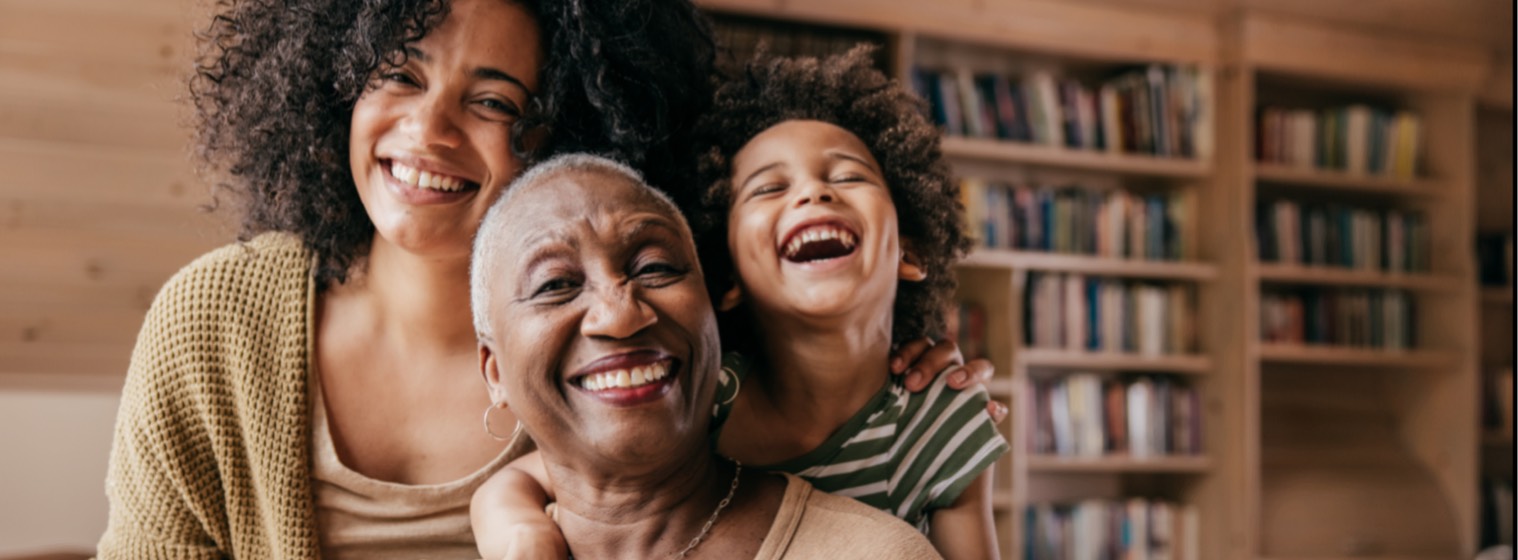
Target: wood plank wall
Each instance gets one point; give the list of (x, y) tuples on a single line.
[(99, 203)]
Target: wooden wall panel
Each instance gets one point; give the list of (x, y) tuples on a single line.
[(99, 203)]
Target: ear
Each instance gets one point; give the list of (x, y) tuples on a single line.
[(732, 298), (911, 267), (491, 371)]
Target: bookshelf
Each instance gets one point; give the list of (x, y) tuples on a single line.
[(1328, 431), (1308, 450)]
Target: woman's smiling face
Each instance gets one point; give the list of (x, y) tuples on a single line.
[(430, 140), (604, 341)]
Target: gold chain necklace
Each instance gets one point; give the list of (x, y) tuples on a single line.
[(731, 490), (737, 474)]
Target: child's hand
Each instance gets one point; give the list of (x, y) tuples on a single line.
[(916, 358)]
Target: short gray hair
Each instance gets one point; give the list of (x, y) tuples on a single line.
[(487, 247)]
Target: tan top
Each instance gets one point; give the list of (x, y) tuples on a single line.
[(211, 457), (813, 525), (360, 517)]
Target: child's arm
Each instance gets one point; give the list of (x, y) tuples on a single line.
[(507, 515), (965, 530)]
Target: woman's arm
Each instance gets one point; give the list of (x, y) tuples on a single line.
[(507, 514), (150, 515), (965, 530)]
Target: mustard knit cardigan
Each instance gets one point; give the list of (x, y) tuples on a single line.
[(211, 457)]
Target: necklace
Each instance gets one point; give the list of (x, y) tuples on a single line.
[(731, 490), (737, 475)]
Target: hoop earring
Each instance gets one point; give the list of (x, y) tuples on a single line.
[(492, 408), (737, 382)]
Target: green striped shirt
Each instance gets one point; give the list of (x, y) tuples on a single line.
[(905, 453)]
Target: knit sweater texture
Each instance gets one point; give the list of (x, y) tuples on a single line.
[(211, 457)]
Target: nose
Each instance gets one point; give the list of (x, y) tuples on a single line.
[(432, 122), (617, 312), (813, 191)]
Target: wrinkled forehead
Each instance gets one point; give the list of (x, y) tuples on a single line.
[(580, 194)]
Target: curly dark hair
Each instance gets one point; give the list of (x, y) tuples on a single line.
[(276, 81), (847, 91)]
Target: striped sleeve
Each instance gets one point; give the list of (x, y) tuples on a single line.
[(951, 441)]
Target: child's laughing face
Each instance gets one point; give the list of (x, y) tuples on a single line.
[(812, 227)]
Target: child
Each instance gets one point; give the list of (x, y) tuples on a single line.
[(809, 162)]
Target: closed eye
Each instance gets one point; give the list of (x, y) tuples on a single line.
[(399, 78), (555, 289), (501, 108), (659, 273), (767, 189)]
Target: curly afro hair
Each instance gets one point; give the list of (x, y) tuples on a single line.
[(847, 91), (276, 81)]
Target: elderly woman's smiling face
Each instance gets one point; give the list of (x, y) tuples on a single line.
[(603, 340)]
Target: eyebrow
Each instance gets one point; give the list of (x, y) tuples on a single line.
[(483, 72), (838, 154), (756, 173), (642, 227)]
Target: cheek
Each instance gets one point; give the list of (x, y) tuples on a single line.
[(748, 233)]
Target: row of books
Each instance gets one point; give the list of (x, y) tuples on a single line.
[(1290, 232), (1497, 402), (1079, 312), (1132, 529), (1357, 139), (1352, 317), (1071, 219), (1088, 415), (1158, 110), (1494, 258)]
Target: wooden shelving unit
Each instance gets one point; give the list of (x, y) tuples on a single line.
[(1338, 276), (1271, 174), (1020, 153), (1309, 452), (1323, 431), (1355, 357), (1103, 266), (1114, 361)]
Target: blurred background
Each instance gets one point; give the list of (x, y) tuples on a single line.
[(1245, 267)]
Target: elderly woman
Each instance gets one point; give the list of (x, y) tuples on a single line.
[(597, 332)]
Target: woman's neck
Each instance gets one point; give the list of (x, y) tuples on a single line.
[(415, 302), (613, 515), (819, 376)]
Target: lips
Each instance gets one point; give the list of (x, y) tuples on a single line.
[(819, 240), (628, 378)]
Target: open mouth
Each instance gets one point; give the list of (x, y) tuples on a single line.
[(624, 378), (819, 242), (428, 180)]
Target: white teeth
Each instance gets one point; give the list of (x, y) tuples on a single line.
[(626, 379), (424, 179), (819, 233)]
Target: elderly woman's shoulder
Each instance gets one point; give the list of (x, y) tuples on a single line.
[(837, 528)]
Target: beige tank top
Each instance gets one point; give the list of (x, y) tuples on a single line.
[(360, 517)]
